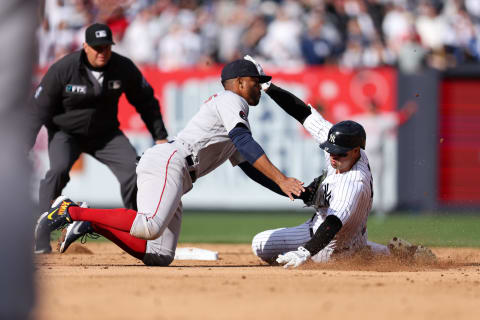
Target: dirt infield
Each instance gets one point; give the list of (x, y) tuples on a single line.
[(98, 281)]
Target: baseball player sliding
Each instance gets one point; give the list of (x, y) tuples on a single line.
[(219, 131), (343, 199)]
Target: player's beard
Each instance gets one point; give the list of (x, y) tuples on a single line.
[(254, 97)]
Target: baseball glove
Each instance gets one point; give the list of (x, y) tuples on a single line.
[(313, 194)]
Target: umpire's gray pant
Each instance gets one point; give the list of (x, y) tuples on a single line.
[(115, 151)]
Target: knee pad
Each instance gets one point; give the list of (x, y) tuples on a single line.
[(145, 228), (159, 260)]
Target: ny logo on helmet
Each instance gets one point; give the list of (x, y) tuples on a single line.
[(332, 138)]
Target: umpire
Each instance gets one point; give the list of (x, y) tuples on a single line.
[(77, 101)]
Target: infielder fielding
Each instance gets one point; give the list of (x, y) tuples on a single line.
[(77, 101), (342, 202), (219, 131)]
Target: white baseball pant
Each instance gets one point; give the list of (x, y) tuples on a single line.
[(162, 179)]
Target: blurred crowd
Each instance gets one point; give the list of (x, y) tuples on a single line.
[(283, 34)]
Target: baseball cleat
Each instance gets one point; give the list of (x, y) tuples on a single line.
[(76, 230), (58, 215), (56, 218)]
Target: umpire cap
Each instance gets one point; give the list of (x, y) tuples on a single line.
[(98, 34), (344, 136), (242, 68)]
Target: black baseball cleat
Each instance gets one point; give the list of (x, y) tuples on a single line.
[(76, 230), (56, 218)]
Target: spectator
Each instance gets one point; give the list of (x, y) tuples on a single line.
[(138, 42), (252, 36), (321, 41), (180, 47), (396, 26), (280, 33), (46, 44), (431, 26), (411, 56), (281, 45), (352, 57), (376, 54), (231, 19)]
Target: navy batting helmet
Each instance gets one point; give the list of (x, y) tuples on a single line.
[(344, 136)]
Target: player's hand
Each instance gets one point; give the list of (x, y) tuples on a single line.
[(265, 85), (160, 141), (294, 258), (291, 186)]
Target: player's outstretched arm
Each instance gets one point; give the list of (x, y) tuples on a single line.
[(290, 186), (260, 178), (313, 122), (254, 154), (312, 196), (289, 102), (286, 100)]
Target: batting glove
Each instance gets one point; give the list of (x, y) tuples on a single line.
[(294, 258), (316, 125), (265, 85)]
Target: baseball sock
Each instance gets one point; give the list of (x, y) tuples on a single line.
[(133, 246), (120, 219)]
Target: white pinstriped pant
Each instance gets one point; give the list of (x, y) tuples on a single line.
[(267, 245)]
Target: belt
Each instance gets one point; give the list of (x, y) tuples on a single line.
[(190, 163), (191, 172), (189, 160)]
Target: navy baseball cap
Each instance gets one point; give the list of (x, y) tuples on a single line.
[(242, 68), (98, 34), (344, 136)]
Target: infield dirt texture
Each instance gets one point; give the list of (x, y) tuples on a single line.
[(98, 281)]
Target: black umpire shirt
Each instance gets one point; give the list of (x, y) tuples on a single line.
[(70, 99)]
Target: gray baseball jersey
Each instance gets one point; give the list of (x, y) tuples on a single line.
[(347, 195), (167, 171)]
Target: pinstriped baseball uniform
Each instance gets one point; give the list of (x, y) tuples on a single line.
[(347, 195), (167, 171)]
